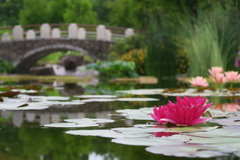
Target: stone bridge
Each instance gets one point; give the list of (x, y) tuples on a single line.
[(23, 46)]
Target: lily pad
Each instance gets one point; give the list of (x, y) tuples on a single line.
[(227, 122), (96, 96), (98, 100), (106, 133), (187, 150), (190, 129), (138, 130), (89, 120), (216, 133), (145, 141), (70, 125), (203, 140), (137, 99)]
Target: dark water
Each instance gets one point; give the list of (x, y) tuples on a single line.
[(23, 137)]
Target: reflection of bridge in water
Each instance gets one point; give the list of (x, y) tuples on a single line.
[(25, 45), (22, 118)]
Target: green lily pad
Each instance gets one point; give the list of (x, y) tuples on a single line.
[(89, 120), (107, 133), (70, 125), (138, 130), (216, 133), (145, 141), (190, 129), (96, 96), (191, 151)]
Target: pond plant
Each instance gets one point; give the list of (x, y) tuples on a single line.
[(186, 111), (218, 77)]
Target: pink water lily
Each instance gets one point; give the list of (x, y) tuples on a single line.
[(199, 82), (220, 78), (215, 70), (232, 76), (186, 111)]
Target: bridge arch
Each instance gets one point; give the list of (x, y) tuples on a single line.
[(30, 56)]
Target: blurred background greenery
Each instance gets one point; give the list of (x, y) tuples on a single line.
[(177, 37)]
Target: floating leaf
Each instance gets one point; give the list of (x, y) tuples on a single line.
[(96, 96), (203, 140), (190, 129), (227, 122), (138, 130), (106, 133), (137, 99), (187, 150), (216, 133), (9, 94), (145, 141), (89, 120), (70, 125), (98, 100)]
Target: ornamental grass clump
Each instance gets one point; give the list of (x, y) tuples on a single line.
[(185, 112)]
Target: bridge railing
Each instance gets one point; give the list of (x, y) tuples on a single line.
[(71, 31)]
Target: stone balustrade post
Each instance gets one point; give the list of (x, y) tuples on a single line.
[(108, 35), (72, 30), (129, 32), (18, 33), (82, 33), (30, 34), (45, 31), (101, 32), (56, 33), (5, 37)]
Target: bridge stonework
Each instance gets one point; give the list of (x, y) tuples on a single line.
[(25, 53), (25, 45)]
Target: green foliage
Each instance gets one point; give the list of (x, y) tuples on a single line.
[(80, 11), (6, 67), (211, 39), (136, 41), (9, 11), (161, 50), (114, 69), (55, 11), (33, 12)]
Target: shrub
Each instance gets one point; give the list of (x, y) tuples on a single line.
[(6, 67), (138, 57), (114, 69)]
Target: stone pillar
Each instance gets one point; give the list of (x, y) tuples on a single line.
[(31, 34), (55, 118), (129, 32), (72, 30), (82, 33), (56, 33), (108, 35), (101, 32), (18, 33), (30, 116), (5, 37), (45, 30), (44, 118), (17, 118), (6, 114)]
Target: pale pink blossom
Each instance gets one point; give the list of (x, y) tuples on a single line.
[(215, 70), (186, 111), (229, 107), (232, 76), (199, 82), (219, 78)]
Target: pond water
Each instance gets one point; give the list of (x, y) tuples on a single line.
[(42, 132)]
